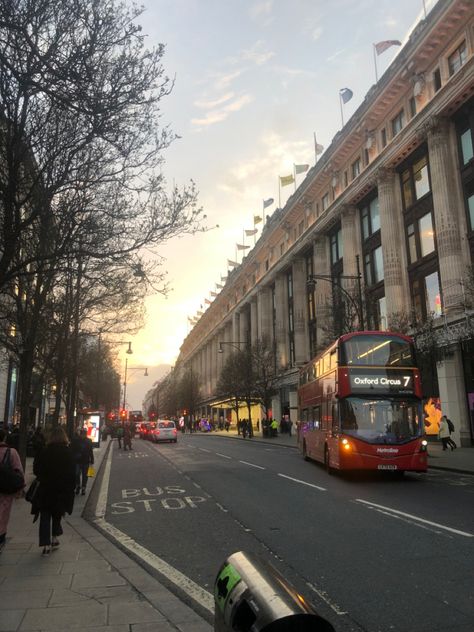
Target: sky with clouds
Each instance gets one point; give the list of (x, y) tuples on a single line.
[(254, 80)]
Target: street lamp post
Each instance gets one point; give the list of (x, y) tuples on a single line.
[(133, 368), (234, 343), (313, 278)]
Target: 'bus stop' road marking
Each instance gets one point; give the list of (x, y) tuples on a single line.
[(416, 518), (200, 595), (297, 480)]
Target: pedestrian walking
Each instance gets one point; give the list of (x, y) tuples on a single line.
[(55, 469), (274, 428), (120, 436), (83, 453), (127, 437), (450, 442), (443, 432), (6, 500), (38, 440)]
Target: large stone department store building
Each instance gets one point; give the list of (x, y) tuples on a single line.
[(394, 193)]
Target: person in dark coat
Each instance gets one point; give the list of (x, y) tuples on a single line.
[(55, 469), (83, 453)]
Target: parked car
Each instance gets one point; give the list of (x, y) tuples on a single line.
[(164, 430)]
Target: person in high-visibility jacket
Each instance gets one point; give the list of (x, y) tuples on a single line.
[(274, 427)]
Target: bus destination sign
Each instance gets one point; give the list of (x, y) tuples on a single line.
[(381, 381)]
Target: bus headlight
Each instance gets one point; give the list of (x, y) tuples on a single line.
[(346, 445), (424, 445)]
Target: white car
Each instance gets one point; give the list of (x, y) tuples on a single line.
[(164, 430)]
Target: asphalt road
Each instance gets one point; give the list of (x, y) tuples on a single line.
[(373, 553)]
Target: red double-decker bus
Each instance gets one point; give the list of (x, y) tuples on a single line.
[(360, 405)]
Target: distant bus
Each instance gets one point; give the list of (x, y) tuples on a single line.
[(360, 405)]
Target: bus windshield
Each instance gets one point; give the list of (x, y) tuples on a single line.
[(378, 420), (376, 350)]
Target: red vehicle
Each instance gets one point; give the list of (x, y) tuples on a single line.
[(360, 405)]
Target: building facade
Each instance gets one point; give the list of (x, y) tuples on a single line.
[(392, 198)]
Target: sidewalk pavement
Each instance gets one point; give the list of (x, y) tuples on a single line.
[(460, 460), (88, 583)]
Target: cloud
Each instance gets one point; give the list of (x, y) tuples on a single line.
[(261, 9), (256, 54), (335, 55), (216, 116), (223, 80), (206, 105), (317, 32)]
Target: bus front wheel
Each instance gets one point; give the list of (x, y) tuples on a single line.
[(328, 467)]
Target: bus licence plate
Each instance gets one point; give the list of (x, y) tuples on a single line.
[(387, 467)]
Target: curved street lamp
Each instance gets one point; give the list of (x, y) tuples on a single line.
[(313, 278)]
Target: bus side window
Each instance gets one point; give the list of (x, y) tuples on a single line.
[(335, 417), (333, 361), (326, 363), (316, 417)]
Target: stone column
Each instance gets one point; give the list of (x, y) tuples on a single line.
[(452, 392), (254, 330), (243, 328), (214, 360), (300, 312), (281, 333), (323, 289), (351, 247), (392, 232), (264, 310), (235, 325), (448, 238)]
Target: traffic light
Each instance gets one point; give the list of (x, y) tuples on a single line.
[(123, 414)]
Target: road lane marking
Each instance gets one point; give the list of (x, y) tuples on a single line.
[(193, 590), (324, 596), (297, 480), (101, 506), (407, 515), (203, 449), (252, 465), (224, 456)]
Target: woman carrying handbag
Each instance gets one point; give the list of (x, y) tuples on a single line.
[(6, 499), (54, 467)]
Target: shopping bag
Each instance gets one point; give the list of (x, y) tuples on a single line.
[(90, 472), (33, 490)]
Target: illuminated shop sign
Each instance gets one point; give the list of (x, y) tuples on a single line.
[(381, 381)]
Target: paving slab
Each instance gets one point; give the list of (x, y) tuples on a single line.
[(64, 617), (141, 612)]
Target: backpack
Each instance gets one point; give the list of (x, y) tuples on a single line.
[(450, 425), (11, 480)]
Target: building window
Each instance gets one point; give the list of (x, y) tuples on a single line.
[(436, 80), (282, 248), (336, 246), (311, 308), (300, 228), (383, 137), (370, 218), (373, 264), (427, 296), (421, 238), (355, 168), (415, 181), (466, 146), (325, 201), (291, 320), (457, 59), (470, 207), (346, 181), (381, 313), (397, 123), (412, 107), (427, 243)]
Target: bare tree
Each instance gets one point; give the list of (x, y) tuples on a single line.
[(80, 157)]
